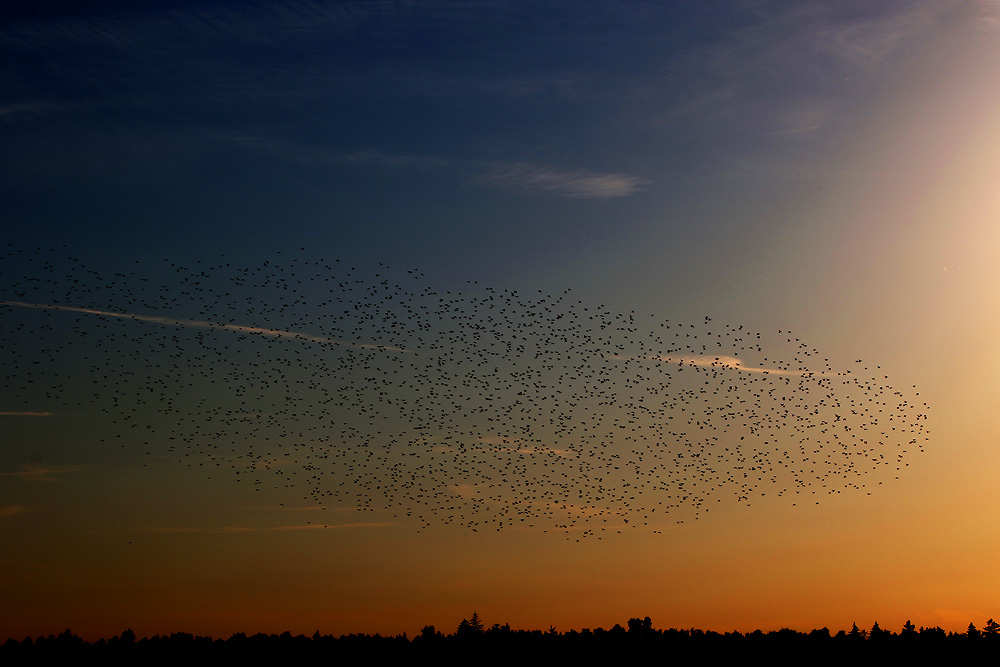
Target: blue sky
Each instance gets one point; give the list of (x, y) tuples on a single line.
[(488, 135)]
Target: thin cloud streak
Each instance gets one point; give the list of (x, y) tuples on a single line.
[(719, 361), (762, 79), (271, 508), (521, 446), (315, 155), (725, 362), (548, 450), (8, 511), (230, 530), (576, 184), (25, 564), (988, 19), (202, 324), (526, 177), (27, 414), (36, 473)]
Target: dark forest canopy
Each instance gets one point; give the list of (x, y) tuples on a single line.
[(637, 632)]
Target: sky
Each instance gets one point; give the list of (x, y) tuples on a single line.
[(824, 168)]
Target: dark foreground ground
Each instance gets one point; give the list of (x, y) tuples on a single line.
[(471, 643)]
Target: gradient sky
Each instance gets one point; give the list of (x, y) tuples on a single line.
[(828, 168)]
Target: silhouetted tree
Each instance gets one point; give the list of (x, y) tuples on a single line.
[(67, 639), (470, 627), (500, 630), (640, 628), (931, 641)]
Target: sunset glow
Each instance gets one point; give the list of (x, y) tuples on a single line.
[(361, 317)]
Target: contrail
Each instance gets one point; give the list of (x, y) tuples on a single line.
[(719, 361), (202, 324)]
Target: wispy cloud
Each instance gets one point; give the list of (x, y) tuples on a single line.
[(523, 447), (203, 324), (862, 40), (227, 530), (27, 414), (8, 111), (787, 71), (524, 177), (497, 440), (719, 362), (988, 15), (41, 473), (574, 509), (868, 42), (24, 564), (276, 508), (463, 490), (7, 511), (547, 451), (318, 155), (757, 166), (574, 184)]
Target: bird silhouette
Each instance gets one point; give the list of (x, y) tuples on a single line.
[(487, 408)]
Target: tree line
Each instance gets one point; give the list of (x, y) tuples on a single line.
[(472, 634)]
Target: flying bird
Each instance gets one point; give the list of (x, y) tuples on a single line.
[(486, 408)]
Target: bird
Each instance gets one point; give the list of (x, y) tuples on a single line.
[(476, 407)]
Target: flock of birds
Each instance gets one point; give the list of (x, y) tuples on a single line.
[(487, 408)]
